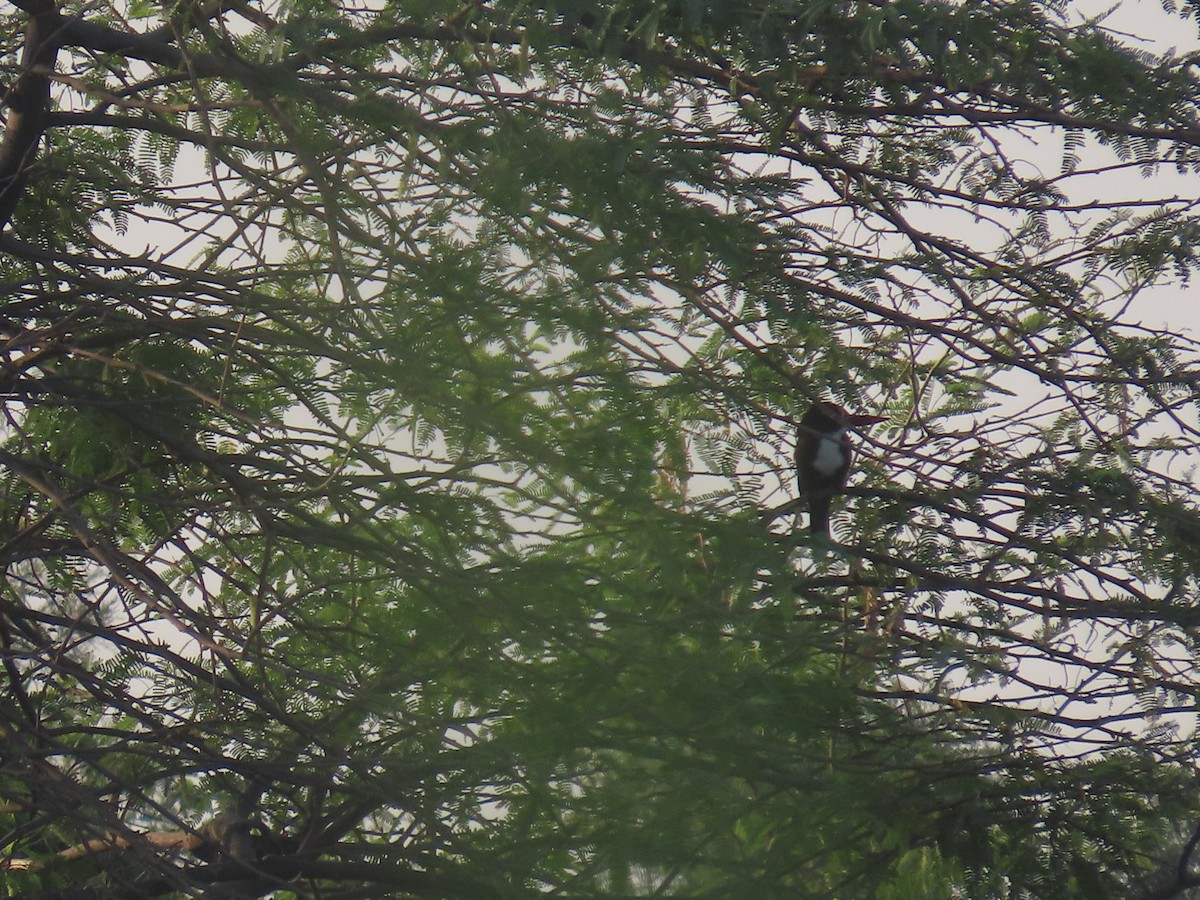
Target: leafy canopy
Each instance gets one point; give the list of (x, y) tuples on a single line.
[(399, 408)]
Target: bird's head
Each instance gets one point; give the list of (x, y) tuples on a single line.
[(824, 415)]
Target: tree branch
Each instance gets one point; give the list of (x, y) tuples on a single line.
[(28, 102)]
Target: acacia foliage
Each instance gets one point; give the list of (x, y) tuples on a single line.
[(393, 393)]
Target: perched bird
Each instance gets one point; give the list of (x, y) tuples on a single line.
[(823, 456), (227, 834)]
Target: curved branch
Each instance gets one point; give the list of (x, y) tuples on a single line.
[(1183, 879)]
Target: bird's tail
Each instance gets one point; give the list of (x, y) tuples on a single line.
[(818, 515)]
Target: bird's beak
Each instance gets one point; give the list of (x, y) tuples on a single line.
[(866, 419)]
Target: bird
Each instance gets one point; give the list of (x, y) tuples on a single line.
[(823, 457), (227, 834)]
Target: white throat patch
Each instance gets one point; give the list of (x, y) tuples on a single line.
[(831, 453)]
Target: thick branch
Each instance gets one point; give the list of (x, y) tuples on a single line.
[(28, 103), (153, 47), (383, 879)]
